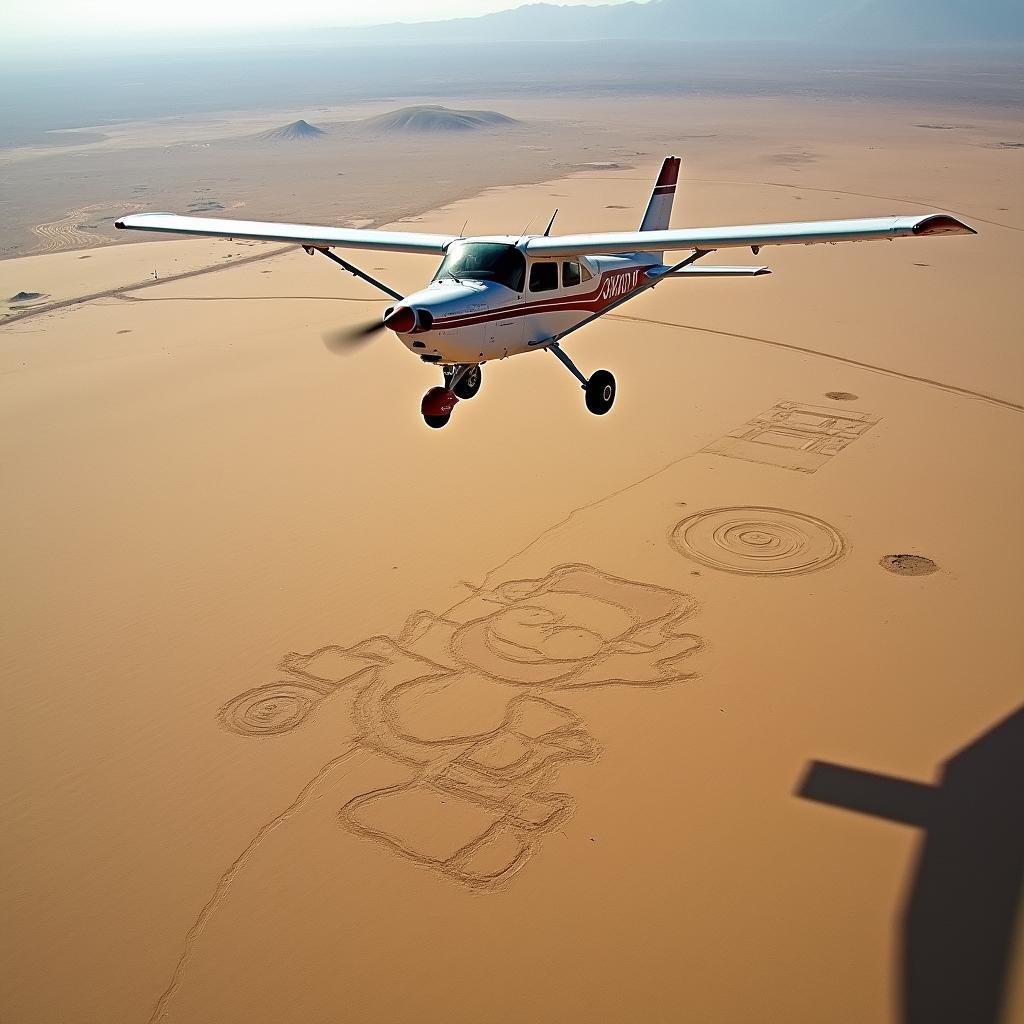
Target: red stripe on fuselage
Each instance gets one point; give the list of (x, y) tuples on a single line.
[(607, 292)]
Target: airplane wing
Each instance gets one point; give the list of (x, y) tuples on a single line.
[(300, 234), (747, 236)]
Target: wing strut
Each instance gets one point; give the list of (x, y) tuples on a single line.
[(692, 258), (355, 271), (551, 344)]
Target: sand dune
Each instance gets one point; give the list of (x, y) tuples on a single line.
[(431, 118), (314, 714)]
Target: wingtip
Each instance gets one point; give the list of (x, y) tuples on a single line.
[(131, 221), (942, 224)]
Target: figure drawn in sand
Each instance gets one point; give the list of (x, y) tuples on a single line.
[(463, 700)]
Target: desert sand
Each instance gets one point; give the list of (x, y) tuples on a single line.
[(315, 714)]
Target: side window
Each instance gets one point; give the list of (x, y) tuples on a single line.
[(543, 277), (570, 274), (585, 272)]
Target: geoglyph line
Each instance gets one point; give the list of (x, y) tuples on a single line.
[(223, 885)]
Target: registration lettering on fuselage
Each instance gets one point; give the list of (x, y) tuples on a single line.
[(618, 284)]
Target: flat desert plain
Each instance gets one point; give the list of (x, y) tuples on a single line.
[(314, 714)]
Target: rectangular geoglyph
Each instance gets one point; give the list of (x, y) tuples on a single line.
[(794, 436)]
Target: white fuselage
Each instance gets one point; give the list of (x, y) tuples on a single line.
[(472, 312)]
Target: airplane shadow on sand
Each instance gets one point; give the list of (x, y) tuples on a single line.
[(959, 920)]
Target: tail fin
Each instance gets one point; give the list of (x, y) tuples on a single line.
[(659, 209)]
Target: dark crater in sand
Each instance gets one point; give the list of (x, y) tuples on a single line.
[(27, 297), (908, 565), (841, 396)]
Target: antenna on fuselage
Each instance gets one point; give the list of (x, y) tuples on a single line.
[(527, 228), (462, 233), (547, 230)]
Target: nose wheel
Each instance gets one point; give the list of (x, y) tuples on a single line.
[(437, 406), (461, 381)]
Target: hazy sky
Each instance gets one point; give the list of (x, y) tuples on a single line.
[(36, 19)]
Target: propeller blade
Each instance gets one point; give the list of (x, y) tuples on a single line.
[(344, 340)]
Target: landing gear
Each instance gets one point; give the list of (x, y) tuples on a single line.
[(469, 384), (437, 406), (600, 392), (461, 380)]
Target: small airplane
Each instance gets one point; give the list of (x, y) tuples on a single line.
[(498, 296)]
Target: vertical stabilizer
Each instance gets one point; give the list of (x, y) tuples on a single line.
[(659, 209)]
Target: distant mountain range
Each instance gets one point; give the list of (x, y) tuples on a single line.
[(888, 23), (423, 119)]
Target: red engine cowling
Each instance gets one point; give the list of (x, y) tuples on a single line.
[(403, 320), (438, 402)]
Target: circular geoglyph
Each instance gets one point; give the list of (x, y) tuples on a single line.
[(271, 709), (758, 541)]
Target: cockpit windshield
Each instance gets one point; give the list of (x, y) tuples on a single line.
[(484, 261)]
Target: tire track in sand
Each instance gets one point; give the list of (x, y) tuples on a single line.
[(120, 290), (953, 389)]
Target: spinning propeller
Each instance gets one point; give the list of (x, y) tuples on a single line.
[(399, 319), (345, 340)]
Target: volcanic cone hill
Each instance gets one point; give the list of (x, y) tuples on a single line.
[(436, 119), (297, 131)]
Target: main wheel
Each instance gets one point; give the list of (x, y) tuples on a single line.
[(470, 383), (600, 392)]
